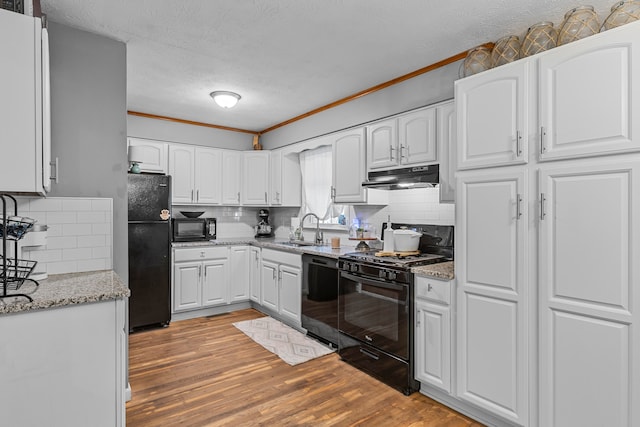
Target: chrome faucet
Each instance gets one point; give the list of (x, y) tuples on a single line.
[(318, 236)]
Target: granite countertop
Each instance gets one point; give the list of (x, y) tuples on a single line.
[(66, 289), (272, 243), (443, 270)]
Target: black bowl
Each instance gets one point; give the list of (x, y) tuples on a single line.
[(191, 214)]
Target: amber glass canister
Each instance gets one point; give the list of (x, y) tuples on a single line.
[(579, 23), (622, 13)]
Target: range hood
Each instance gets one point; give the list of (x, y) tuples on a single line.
[(398, 179)]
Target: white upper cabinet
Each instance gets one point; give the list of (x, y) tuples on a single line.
[(25, 141), (155, 155), (195, 173), (231, 177), (417, 137), (255, 185), (446, 117), (349, 169), (286, 180), (492, 113), (182, 171), (275, 182), (588, 96), (208, 176), (408, 139), (382, 144)]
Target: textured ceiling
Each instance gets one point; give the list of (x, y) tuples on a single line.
[(287, 57)]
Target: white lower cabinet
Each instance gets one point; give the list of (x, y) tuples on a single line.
[(239, 274), (433, 332), (492, 316), (254, 274), (281, 284), (65, 366), (200, 277), (589, 304)]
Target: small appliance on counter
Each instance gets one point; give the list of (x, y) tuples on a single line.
[(193, 229), (263, 229)]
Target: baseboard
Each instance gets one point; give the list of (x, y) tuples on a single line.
[(464, 408), (210, 311)]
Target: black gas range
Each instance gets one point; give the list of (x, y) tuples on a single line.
[(376, 315)]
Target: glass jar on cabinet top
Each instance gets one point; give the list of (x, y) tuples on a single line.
[(478, 59), (506, 50), (578, 23), (622, 13), (540, 37)]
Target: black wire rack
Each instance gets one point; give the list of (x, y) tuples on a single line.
[(14, 271)]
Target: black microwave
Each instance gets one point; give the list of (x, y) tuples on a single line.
[(193, 229)]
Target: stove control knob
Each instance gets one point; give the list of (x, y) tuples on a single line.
[(382, 274), (345, 266), (391, 275), (354, 268)]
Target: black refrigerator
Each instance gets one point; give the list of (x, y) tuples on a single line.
[(149, 250)]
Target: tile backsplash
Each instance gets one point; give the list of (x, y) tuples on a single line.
[(79, 235)]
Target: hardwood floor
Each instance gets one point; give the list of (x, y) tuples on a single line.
[(205, 372)]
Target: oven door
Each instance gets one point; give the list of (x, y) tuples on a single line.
[(375, 312)]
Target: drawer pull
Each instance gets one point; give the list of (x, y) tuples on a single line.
[(369, 354)]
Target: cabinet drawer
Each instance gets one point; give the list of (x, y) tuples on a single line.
[(282, 257), (433, 289), (199, 254)]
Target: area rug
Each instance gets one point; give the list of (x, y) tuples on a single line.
[(291, 346)]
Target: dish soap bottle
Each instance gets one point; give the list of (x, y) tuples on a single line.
[(387, 236)]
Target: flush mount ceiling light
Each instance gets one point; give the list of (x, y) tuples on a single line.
[(225, 99)]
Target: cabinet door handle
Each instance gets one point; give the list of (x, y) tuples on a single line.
[(197, 195), (199, 271), (518, 144), (402, 156), (238, 197), (333, 193), (274, 274), (277, 197), (542, 213), (543, 133), (56, 166), (518, 208), (265, 197), (391, 152), (418, 316), (192, 196)]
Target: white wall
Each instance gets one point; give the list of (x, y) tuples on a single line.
[(426, 89), (164, 130), (88, 124)]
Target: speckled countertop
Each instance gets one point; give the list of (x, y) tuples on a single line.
[(66, 289), (443, 270), (279, 244)]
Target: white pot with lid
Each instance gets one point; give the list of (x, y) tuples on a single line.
[(406, 240)]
